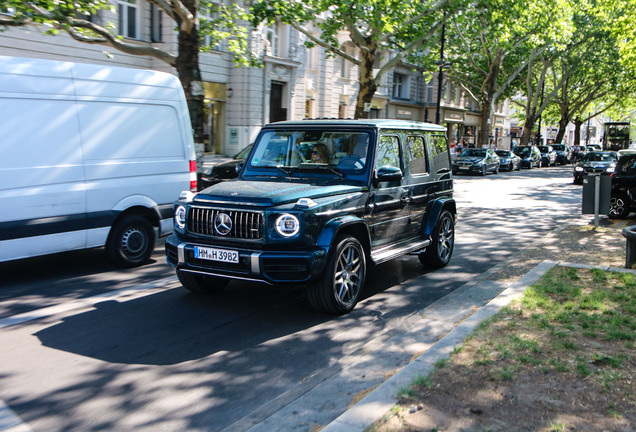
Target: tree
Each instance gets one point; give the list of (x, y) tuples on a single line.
[(78, 19), (491, 44), (388, 30)]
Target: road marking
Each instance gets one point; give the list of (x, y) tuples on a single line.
[(9, 420), (122, 295)]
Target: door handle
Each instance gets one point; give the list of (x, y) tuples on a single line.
[(405, 199)]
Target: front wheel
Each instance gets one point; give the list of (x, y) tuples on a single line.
[(131, 241), (619, 206), (338, 291), (439, 253)]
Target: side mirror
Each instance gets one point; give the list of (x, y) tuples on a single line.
[(239, 167), (387, 174)]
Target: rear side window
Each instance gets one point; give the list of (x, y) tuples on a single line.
[(440, 153), (416, 154)]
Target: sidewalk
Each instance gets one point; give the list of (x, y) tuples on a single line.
[(572, 245), (361, 387)]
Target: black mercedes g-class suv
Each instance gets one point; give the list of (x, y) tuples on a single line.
[(315, 203)]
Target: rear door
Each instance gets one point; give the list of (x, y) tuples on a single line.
[(390, 199)]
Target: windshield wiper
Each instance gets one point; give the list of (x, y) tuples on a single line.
[(288, 170), (322, 167)]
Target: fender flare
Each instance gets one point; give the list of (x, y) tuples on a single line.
[(434, 210), (332, 228)]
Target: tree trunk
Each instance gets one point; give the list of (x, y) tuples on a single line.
[(484, 126), (368, 86), (563, 124), (187, 65), (577, 131), (526, 135)]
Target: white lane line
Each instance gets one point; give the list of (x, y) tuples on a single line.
[(124, 294), (9, 420)]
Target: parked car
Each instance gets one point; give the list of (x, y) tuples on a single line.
[(623, 195), (508, 160), (288, 220), (603, 162), (529, 154), (476, 161), (564, 153), (594, 147), (548, 155), (207, 176)]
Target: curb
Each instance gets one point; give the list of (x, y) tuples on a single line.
[(383, 398)]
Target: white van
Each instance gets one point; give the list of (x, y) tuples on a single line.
[(90, 156)]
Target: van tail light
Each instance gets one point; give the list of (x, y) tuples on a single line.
[(193, 176)]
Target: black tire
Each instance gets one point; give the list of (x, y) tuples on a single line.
[(619, 206), (439, 253), (201, 284), (483, 170), (496, 169), (339, 289), (131, 241)]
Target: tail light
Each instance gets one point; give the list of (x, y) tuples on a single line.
[(193, 176)]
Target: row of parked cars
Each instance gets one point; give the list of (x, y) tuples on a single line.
[(482, 161)]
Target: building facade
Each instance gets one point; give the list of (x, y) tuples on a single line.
[(295, 81)]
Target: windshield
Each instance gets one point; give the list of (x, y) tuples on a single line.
[(502, 153), (599, 157), (474, 153), (544, 149), (522, 151), (559, 147), (339, 150)]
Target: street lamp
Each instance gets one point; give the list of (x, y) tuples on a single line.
[(440, 78)]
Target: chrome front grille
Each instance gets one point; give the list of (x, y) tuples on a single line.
[(245, 224)]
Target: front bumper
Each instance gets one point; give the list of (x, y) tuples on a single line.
[(473, 169), (271, 267)]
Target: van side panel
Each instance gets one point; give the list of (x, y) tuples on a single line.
[(41, 175), (82, 144)]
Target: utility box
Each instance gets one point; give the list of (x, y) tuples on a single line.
[(590, 192)]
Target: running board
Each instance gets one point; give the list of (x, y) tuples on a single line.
[(394, 251)]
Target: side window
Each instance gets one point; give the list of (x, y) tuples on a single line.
[(440, 153), (416, 154), (388, 152), (631, 166)]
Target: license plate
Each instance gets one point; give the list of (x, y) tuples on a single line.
[(212, 254), (465, 168)]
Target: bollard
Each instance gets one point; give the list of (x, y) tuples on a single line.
[(630, 256)]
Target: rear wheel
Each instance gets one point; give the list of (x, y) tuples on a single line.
[(439, 253), (201, 284), (131, 241), (619, 206), (338, 291)]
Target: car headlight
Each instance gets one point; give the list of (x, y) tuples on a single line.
[(578, 169), (180, 217), (287, 225), (609, 169), (479, 163)]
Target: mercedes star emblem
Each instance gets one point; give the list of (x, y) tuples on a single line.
[(222, 224)]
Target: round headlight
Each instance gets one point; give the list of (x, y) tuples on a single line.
[(609, 169), (180, 217), (287, 225), (578, 168)]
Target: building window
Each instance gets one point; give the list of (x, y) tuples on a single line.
[(400, 86), (208, 18), (430, 92), (128, 16), (155, 23), (272, 35)]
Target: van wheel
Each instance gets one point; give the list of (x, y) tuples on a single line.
[(201, 284), (338, 291), (439, 253), (131, 241)]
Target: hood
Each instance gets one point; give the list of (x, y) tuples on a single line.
[(267, 194), (597, 164)]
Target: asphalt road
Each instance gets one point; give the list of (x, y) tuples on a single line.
[(87, 346)]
